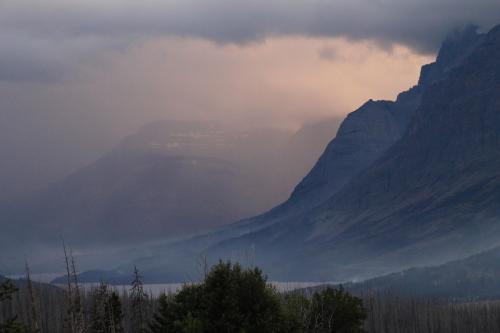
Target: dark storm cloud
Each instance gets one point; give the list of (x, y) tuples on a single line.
[(41, 39)]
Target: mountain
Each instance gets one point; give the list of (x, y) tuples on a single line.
[(436, 187), (401, 185), (471, 278), (367, 133), (169, 179)]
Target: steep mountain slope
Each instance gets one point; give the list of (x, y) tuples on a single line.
[(318, 234), (439, 186), (472, 278), (369, 131), (384, 195), (364, 135)]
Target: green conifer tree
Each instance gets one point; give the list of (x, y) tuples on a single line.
[(11, 325), (164, 317), (107, 315), (114, 312)]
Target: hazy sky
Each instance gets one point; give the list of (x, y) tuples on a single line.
[(75, 76)]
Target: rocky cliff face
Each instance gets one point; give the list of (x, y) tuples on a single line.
[(435, 187), (363, 136), (454, 50), (368, 132), (431, 197), (410, 182)]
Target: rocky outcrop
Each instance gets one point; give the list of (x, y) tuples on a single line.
[(410, 182), (432, 197), (368, 132), (435, 187)]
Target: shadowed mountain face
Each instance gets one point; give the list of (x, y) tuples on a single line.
[(367, 133), (472, 278), (439, 184), (171, 178), (362, 138), (404, 183), (437, 187)]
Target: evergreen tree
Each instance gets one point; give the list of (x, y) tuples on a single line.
[(230, 299), (236, 300), (190, 324), (336, 311), (114, 312), (296, 311), (11, 325), (107, 315), (165, 317), (98, 320)]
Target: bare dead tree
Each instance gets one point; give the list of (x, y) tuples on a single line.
[(77, 302), (203, 264), (138, 299), (69, 292), (110, 314), (75, 308), (34, 322)]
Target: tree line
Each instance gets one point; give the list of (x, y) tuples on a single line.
[(230, 298)]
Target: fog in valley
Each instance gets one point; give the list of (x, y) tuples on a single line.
[(262, 166), (126, 124)]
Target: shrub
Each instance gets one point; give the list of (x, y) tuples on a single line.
[(236, 300), (230, 299), (335, 310)]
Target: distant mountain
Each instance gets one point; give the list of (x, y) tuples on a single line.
[(109, 277), (402, 184), (171, 178), (22, 285), (472, 278)]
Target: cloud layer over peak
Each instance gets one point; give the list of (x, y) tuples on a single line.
[(39, 40)]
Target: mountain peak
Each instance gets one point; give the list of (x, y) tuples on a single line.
[(375, 126), (456, 41), (404, 181), (455, 48), (495, 30)]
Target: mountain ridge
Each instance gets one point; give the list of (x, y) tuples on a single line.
[(170, 179), (406, 205), (359, 213), (471, 278), (323, 241)]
